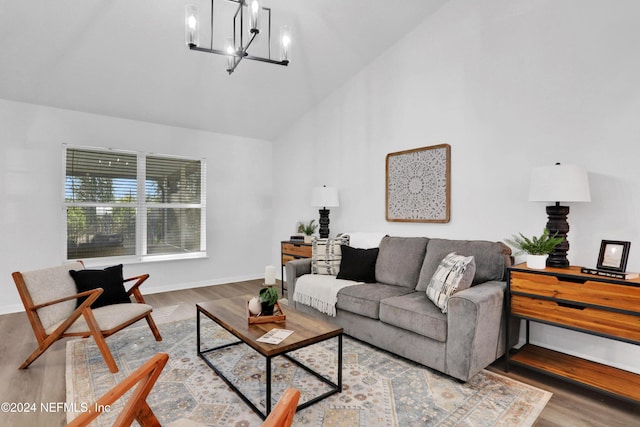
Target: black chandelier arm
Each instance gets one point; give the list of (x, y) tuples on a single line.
[(224, 52), (211, 25), (270, 61)]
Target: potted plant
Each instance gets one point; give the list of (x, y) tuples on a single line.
[(268, 298), (308, 229), (536, 248)]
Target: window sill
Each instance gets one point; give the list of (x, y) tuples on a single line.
[(130, 260)]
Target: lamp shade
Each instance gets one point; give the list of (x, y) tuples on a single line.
[(559, 183), (324, 197)]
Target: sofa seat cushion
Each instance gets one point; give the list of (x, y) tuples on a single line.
[(416, 313), (400, 260), (365, 299)]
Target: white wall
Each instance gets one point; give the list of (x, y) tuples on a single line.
[(239, 187), (510, 85)]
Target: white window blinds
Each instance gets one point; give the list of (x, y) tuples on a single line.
[(120, 204)]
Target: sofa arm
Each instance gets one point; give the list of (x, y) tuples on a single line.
[(475, 320), (295, 269)]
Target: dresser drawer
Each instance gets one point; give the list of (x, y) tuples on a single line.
[(303, 251), (579, 289), (610, 323)]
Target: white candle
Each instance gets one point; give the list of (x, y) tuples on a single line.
[(269, 275)]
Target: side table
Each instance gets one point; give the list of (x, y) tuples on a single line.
[(569, 299), (290, 250)]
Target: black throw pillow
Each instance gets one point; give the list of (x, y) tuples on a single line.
[(358, 264), (110, 280)]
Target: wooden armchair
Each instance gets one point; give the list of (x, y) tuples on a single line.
[(136, 407), (282, 414), (49, 297)]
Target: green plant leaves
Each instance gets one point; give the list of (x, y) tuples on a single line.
[(268, 295), (542, 245)]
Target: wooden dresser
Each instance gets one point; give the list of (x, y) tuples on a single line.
[(290, 250), (567, 298)]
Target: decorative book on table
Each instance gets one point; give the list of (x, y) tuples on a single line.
[(275, 336), (624, 275)]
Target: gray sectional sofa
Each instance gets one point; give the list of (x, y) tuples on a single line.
[(395, 316)]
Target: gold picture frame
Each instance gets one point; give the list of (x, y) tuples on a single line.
[(418, 185)]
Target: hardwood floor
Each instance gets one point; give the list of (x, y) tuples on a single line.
[(44, 380)]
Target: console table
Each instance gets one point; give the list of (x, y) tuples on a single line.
[(567, 298), (290, 250)]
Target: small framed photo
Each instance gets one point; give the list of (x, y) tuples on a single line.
[(613, 255)]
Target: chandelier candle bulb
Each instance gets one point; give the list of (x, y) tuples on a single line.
[(254, 16), (191, 25), (285, 42), (230, 49), (269, 275)]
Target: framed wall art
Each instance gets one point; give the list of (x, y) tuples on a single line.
[(613, 255), (418, 184)]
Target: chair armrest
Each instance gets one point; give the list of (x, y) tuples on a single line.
[(83, 309), (134, 289), (136, 406), (89, 294), (295, 269), (474, 328)]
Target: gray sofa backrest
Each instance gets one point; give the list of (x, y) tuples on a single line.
[(400, 260), (492, 258)]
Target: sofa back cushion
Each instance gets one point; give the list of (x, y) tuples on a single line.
[(491, 259), (400, 260)]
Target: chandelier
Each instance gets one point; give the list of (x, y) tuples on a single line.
[(236, 47)]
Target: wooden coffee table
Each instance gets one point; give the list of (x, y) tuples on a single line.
[(230, 313)]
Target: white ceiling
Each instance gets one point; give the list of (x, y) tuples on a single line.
[(128, 58)]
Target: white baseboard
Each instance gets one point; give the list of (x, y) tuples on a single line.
[(199, 284), (16, 308), (11, 308)]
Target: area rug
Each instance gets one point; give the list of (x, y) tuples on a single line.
[(378, 388)]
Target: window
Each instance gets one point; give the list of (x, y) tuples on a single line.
[(124, 204)]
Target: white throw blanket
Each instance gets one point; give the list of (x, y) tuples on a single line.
[(320, 291)]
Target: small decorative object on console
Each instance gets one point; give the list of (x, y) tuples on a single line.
[(613, 274), (536, 248), (308, 229), (613, 255)]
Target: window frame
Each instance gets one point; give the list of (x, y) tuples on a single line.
[(141, 207)]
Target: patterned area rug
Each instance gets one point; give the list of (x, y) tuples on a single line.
[(378, 388)]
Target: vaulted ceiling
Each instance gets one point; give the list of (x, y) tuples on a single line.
[(128, 59)]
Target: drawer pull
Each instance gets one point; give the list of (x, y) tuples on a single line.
[(573, 280), (567, 305)]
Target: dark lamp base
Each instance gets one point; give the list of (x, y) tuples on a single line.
[(558, 224), (324, 223)]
